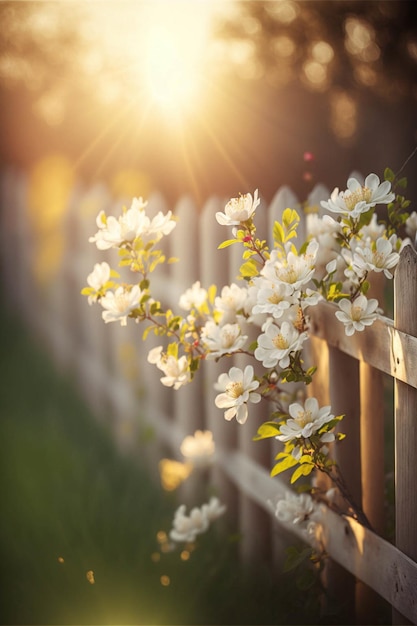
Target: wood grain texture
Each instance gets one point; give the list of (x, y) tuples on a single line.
[(381, 345), (379, 564), (405, 319)]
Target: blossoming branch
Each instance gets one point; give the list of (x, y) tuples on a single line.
[(347, 245)]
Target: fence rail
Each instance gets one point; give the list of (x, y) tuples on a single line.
[(110, 365)]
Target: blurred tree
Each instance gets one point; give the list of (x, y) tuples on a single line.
[(351, 52), (345, 36), (282, 78)]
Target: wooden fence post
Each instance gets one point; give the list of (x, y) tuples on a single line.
[(372, 427), (405, 319), (344, 398)]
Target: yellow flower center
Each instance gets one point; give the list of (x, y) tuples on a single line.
[(356, 313), (378, 259), (275, 298), (287, 274), (122, 302), (234, 389), (228, 339), (236, 205), (280, 342), (352, 199), (303, 418)]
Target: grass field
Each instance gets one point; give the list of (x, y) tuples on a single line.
[(72, 505)]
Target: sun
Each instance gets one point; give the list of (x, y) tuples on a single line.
[(172, 76), (158, 49)]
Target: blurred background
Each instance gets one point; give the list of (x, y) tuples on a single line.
[(209, 97), (107, 100)]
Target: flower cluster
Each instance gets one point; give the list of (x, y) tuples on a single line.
[(347, 245), (199, 448), (187, 527)]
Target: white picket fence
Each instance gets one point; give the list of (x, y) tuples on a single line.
[(109, 364)]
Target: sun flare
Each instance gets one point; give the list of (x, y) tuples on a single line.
[(162, 48), (172, 79)]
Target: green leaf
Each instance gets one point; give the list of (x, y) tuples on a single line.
[(155, 308), (172, 349), (278, 233), (194, 365), (295, 557), (266, 430), (146, 332), (249, 269), (211, 293), (306, 458), (290, 221), (303, 470), (389, 174), (227, 243), (282, 466), (334, 291), (306, 580), (303, 248)]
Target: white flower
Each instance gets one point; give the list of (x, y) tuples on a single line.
[(238, 389), (155, 355), (295, 270), (176, 370), (359, 199), (221, 340), (331, 266), (199, 448), (295, 509), (186, 528), (373, 230), (305, 420), (411, 226), (238, 210), (357, 314), (273, 298), (98, 278), (194, 297), (324, 230), (277, 343), (376, 257), (119, 304), (231, 300), (311, 298), (160, 225), (213, 509), (257, 319), (133, 223), (114, 232)]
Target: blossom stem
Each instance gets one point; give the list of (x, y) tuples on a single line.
[(253, 245), (359, 287), (340, 483)]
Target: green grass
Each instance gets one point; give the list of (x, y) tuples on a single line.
[(66, 492)]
